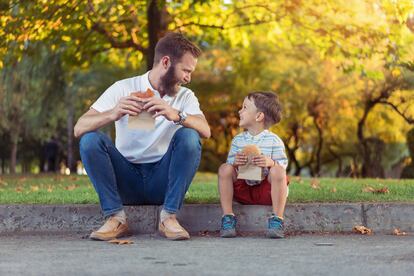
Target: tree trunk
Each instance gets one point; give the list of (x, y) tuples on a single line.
[(319, 148), (13, 156), (157, 17), (69, 126), (360, 134)]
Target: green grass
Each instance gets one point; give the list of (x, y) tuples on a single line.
[(57, 189)]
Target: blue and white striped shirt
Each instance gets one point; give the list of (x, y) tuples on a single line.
[(269, 144)]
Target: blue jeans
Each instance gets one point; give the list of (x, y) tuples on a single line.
[(119, 182)]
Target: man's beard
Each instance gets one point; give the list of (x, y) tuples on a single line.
[(169, 82)]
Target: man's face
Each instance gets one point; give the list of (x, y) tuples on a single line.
[(178, 74)]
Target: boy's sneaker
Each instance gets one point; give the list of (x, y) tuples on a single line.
[(228, 226), (275, 228)]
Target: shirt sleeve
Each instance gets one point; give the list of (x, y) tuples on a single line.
[(234, 148), (191, 105), (108, 99), (279, 153)]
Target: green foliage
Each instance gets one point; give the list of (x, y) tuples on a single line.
[(326, 60)]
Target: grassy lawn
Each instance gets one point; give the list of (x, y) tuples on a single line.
[(57, 189)]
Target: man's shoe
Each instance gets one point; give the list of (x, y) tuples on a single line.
[(228, 226), (172, 230), (275, 228), (115, 229)]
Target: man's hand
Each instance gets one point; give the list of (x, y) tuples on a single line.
[(263, 161), (240, 159), (160, 108), (127, 105)]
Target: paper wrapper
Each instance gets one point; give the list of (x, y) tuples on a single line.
[(250, 172), (143, 121)]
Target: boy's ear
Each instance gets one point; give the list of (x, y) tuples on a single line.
[(260, 117)]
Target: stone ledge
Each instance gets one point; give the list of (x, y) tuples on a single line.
[(312, 217)]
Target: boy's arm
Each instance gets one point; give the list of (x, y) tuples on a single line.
[(279, 154), (263, 161), (235, 157)]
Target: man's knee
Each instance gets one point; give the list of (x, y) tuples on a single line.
[(91, 141), (188, 139)]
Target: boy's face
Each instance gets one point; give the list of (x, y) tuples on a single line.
[(248, 114)]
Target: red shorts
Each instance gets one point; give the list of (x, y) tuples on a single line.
[(253, 195)]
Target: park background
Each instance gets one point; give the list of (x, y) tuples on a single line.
[(343, 70)]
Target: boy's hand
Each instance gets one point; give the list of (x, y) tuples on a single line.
[(240, 159), (263, 161)]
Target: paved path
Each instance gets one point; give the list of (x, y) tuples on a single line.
[(208, 255)]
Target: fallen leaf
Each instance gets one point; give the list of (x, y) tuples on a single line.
[(315, 183), (121, 242), (19, 189), (362, 230), (376, 191), (368, 189), (71, 187), (381, 191), (74, 178), (34, 188), (49, 188), (58, 178), (333, 190), (398, 232)]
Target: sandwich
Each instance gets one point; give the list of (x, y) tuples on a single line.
[(143, 95), (251, 150)]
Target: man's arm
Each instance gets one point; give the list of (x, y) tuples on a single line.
[(162, 108), (93, 120), (197, 122)]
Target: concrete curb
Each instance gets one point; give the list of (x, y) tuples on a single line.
[(313, 217)]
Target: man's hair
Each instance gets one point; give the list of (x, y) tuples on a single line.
[(174, 45), (268, 103)]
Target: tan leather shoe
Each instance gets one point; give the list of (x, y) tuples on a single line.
[(172, 230), (113, 229)]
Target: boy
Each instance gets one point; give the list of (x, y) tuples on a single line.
[(260, 110)]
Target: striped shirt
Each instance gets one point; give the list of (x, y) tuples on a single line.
[(269, 144)]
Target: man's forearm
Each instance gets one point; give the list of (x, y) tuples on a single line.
[(199, 123), (91, 122)]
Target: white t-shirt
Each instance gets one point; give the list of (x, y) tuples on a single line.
[(145, 146)]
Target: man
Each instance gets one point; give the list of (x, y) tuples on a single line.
[(146, 166)]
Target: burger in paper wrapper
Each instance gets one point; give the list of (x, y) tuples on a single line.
[(250, 171), (251, 150), (144, 120), (143, 95)]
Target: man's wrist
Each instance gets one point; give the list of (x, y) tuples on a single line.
[(182, 117), (177, 116)]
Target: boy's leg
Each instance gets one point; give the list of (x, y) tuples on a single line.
[(226, 178), (277, 179), (171, 177)]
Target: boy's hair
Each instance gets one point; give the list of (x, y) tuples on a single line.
[(268, 103), (174, 45)]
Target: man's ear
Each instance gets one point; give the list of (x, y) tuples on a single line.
[(165, 62), (260, 117)]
